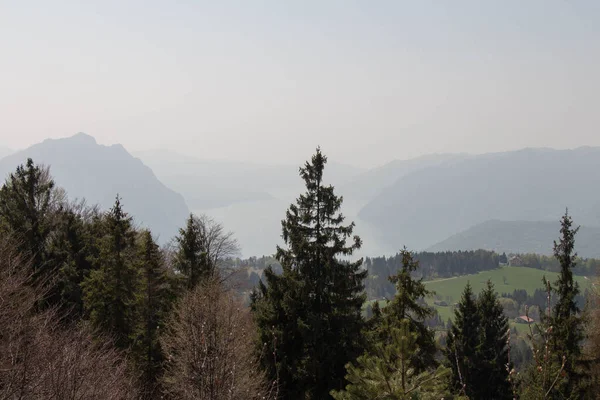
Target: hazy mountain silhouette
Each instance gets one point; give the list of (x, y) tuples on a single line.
[(97, 173), (520, 237), (367, 185), (431, 204), (209, 184)]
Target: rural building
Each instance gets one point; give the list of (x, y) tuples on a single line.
[(524, 319)]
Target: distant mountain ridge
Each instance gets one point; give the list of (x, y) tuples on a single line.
[(98, 173), (367, 185), (433, 203), (520, 237)]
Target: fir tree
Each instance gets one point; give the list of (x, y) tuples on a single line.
[(309, 318), (566, 321), (110, 290), (155, 295), (491, 374), (462, 344), (407, 305), (25, 212), (203, 248), (70, 253), (191, 257), (385, 372)]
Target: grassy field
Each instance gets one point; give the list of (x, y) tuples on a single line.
[(505, 280)]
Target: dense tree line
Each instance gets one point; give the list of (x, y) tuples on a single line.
[(430, 266), (583, 266), (537, 303), (92, 308), (95, 291)]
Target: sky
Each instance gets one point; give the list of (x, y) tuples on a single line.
[(268, 81)]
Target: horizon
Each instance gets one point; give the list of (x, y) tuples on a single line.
[(139, 154)]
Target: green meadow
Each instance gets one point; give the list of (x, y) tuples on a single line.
[(505, 280)]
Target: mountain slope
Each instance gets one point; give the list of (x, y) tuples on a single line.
[(520, 237), (366, 186), (97, 173), (431, 204)]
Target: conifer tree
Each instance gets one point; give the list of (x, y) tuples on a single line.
[(385, 372), (407, 305), (70, 252), (565, 320), (155, 296), (110, 290), (545, 377), (462, 344), (25, 211), (202, 250), (309, 318), (491, 374), (191, 257)]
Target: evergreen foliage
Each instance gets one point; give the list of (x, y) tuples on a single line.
[(25, 212), (66, 267), (311, 315), (463, 343), (492, 357), (110, 290), (71, 251), (191, 258), (408, 307), (154, 299), (565, 322), (202, 249), (386, 372)]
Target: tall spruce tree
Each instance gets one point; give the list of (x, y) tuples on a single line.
[(566, 322), (491, 375), (462, 344), (110, 289), (25, 212), (155, 296), (309, 318)]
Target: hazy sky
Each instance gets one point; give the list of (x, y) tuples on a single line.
[(269, 80)]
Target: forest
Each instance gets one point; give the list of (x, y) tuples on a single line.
[(92, 307)]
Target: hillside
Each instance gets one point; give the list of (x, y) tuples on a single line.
[(97, 173), (431, 204), (367, 185), (519, 237)]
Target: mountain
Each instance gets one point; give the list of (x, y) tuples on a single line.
[(5, 151), (367, 185), (97, 173), (431, 204), (520, 237), (207, 184)]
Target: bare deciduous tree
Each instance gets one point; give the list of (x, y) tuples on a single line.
[(39, 358), (210, 348)]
